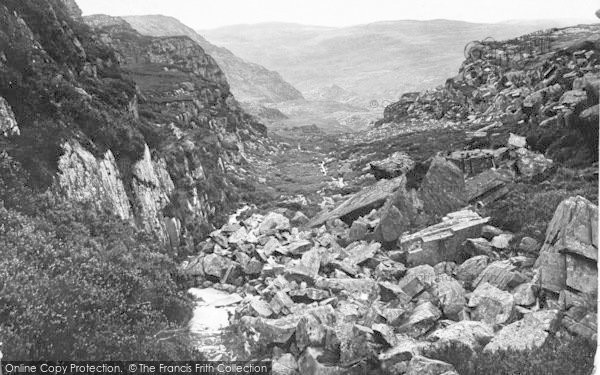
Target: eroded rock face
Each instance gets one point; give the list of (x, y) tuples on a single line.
[(529, 333), (443, 188), (84, 178), (8, 123), (569, 255)]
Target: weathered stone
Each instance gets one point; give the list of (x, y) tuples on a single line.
[(397, 164), (311, 294), (355, 342), (441, 242), (404, 350), (417, 279), (478, 246), (309, 364), (529, 333), (271, 246), (582, 274), (573, 97), (281, 303), (215, 265), (443, 188), (524, 294), (572, 230), (390, 291), (359, 288), (529, 245), (516, 141), (274, 221), (299, 219), (420, 365), (284, 365), (501, 274), (358, 231), (385, 332), (531, 164), (450, 294), (502, 241), (363, 201), (585, 327), (489, 232), (389, 270), (8, 122), (421, 320), (447, 268), (362, 252), (261, 307), (393, 223), (491, 305), (239, 236), (473, 334), (471, 269), (299, 247), (393, 315), (316, 330), (487, 186)]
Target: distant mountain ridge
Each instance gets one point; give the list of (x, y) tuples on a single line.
[(380, 60), (249, 82)]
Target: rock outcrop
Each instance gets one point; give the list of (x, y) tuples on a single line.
[(153, 152)]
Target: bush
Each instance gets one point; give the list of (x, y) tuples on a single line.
[(572, 356), (81, 285)]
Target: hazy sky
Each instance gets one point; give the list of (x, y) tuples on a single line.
[(206, 14)]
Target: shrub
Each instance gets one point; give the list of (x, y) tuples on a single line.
[(81, 285), (573, 356)]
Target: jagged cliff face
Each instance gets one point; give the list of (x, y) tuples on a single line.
[(143, 127)]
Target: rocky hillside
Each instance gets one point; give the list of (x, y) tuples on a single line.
[(544, 85), (143, 127), (249, 82), (441, 245)]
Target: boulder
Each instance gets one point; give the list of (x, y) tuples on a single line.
[(473, 334), (417, 279), (491, 305), (528, 333), (316, 330), (397, 164), (531, 164), (487, 186), (525, 294), (501, 274), (443, 188), (529, 245), (215, 265), (273, 221), (362, 251), (569, 254), (358, 231), (442, 241), (308, 364), (420, 365), (359, 288), (362, 202), (421, 320), (284, 365), (471, 268), (450, 295), (392, 224), (404, 350), (502, 241)]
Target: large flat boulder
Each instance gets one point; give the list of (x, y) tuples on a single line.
[(363, 201), (441, 242), (528, 333), (443, 188)]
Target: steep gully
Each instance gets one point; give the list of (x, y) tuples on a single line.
[(406, 232)]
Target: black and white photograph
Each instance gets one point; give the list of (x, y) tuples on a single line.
[(286, 187)]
